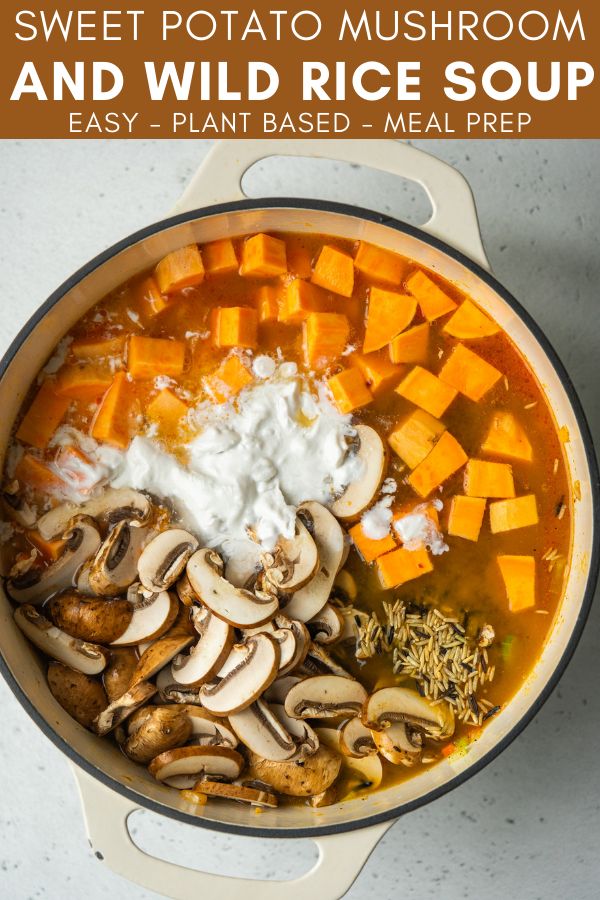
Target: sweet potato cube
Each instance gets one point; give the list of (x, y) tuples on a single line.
[(445, 459), (388, 314), (466, 517), (518, 574), (263, 256), (300, 299), (434, 302), (219, 257), (425, 389), (411, 346), (349, 390), (380, 265), (37, 475), (267, 303), (150, 300), (488, 479), (507, 437), (299, 260), (415, 438), (380, 374), (228, 380), (84, 348), (180, 269), (83, 382), (369, 548), (43, 417), (517, 512), (167, 410), (402, 565), (114, 422), (235, 326), (76, 468), (325, 337), (148, 357), (50, 550), (469, 323), (469, 373), (334, 271)]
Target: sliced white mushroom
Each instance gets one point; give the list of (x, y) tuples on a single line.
[(243, 793), (114, 568), (160, 653), (82, 540), (154, 729), (242, 562), (208, 730), (398, 704), (153, 615), (400, 744), (293, 562), (236, 606), (57, 644), (262, 732), (366, 771), (109, 507), (171, 692), (304, 736), (280, 688), (293, 639), (356, 739), (319, 662), (164, 558), (124, 706), (249, 670), (327, 626), (208, 653), (182, 767), (325, 696), (360, 493), (329, 539)]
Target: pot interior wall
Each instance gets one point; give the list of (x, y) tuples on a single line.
[(37, 347)]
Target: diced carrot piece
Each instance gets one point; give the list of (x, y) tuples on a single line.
[(167, 410), (43, 417), (76, 467), (488, 479), (380, 374), (349, 390), (507, 437), (379, 264), (518, 574), (149, 357), (469, 373), (84, 348), (267, 303), (36, 474), (466, 517), (219, 257), (114, 421), (85, 382), (299, 260), (445, 459), (180, 269), (424, 389), (517, 512), (334, 271), (50, 550), (468, 322), (235, 326), (150, 299), (263, 256), (411, 346), (228, 380), (300, 299), (430, 297), (369, 548), (402, 565), (388, 314), (415, 438), (325, 337)]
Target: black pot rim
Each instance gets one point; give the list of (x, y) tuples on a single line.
[(594, 564)]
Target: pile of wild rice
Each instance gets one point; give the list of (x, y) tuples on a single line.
[(434, 650)]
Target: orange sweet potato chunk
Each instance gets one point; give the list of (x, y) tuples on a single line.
[(228, 380), (411, 346), (268, 301), (518, 574), (43, 417), (114, 421), (402, 565), (180, 269), (516, 512), (369, 548), (83, 382), (150, 300), (36, 474), (444, 460), (50, 550), (300, 299), (415, 438), (325, 337), (488, 479), (380, 374), (349, 390), (431, 298), (469, 373), (388, 314), (506, 437), (426, 390), (167, 410), (299, 260), (466, 517), (235, 326), (103, 348), (380, 265), (219, 257), (334, 271), (263, 256), (148, 357), (469, 323)]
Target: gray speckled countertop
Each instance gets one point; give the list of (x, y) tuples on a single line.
[(528, 826)]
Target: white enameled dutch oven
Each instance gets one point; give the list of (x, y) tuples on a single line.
[(212, 207)]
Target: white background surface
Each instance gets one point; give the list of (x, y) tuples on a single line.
[(528, 826)]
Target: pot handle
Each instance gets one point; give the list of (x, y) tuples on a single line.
[(454, 219), (341, 857)]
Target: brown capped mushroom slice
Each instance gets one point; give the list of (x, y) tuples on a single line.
[(356, 739), (399, 743), (359, 494), (243, 793), (238, 607), (327, 626), (297, 778), (207, 729), (82, 540), (248, 671), (164, 558), (209, 652), (82, 696), (171, 692), (185, 591), (90, 618), (304, 736), (293, 562), (159, 654), (319, 662), (291, 636), (366, 771), (109, 507), (114, 568), (399, 704), (325, 696), (280, 688), (119, 710), (329, 539), (183, 766), (153, 615), (57, 644), (118, 674), (261, 731), (158, 728)]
